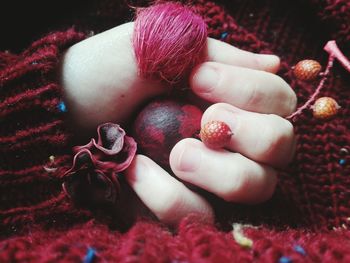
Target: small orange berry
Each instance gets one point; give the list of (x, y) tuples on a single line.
[(307, 69), (325, 108), (215, 134)]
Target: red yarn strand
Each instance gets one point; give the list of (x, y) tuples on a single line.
[(169, 40)]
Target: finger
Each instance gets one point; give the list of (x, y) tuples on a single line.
[(265, 138), (222, 52), (230, 176), (245, 88), (100, 80), (166, 197)]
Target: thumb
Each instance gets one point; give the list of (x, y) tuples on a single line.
[(100, 80)]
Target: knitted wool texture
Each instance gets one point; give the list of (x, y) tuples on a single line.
[(39, 223)]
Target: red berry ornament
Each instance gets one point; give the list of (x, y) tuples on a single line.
[(325, 108), (307, 69), (215, 134)]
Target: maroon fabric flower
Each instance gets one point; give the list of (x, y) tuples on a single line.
[(93, 177)]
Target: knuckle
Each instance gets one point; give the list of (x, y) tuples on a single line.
[(276, 135), (173, 201), (255, 96), (287, 98), (231, 191), (286, 130), (270, 189), (287, 101), (227, 194)]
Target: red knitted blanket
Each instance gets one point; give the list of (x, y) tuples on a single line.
[(307, 219)]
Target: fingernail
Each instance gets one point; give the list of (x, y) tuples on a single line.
[(205, 79), (189, 160), (269, 62)]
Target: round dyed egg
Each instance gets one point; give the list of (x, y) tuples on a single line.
[(161, 124)]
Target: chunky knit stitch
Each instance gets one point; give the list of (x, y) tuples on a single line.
[(307, 220), (195, 241), (32, 129)]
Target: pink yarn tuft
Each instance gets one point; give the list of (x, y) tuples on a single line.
[(169, 40)]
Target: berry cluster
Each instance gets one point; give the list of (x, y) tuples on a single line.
[(309, 70)]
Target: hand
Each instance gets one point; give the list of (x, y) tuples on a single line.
[(250, 99), (99, 77), (100, 81)]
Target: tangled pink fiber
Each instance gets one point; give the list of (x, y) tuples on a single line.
[(169, 40)]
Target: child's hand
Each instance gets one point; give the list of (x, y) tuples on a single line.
[(101, 83)]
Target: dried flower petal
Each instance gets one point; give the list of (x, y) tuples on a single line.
[(92, 179), (87, 185), (110, 138)]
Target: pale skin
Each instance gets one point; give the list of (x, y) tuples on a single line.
[(101, 84)]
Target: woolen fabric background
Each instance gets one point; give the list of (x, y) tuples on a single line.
[(39, 223)]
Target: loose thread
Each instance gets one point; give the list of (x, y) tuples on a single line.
[(90, 255), (317, 91), (285, 259), (240, 238), (299, 249)]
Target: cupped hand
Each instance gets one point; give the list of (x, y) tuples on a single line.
[(251, 99), (100, 79)]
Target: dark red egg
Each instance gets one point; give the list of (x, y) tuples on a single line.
[(161, 124)]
